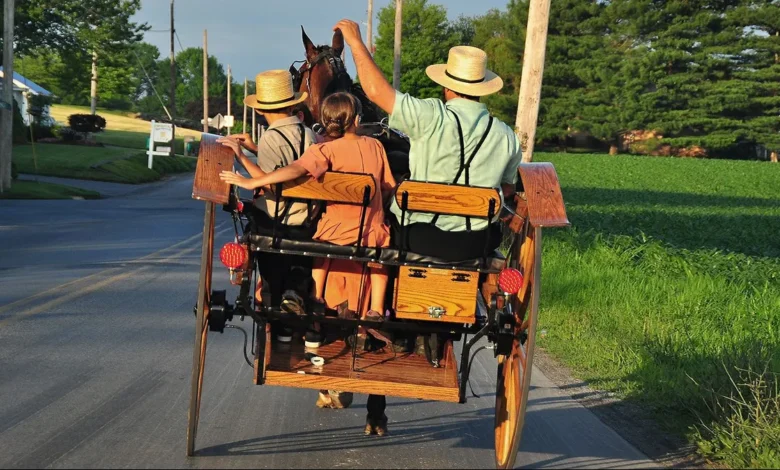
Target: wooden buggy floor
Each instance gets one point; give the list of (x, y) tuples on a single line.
[(380, 372)]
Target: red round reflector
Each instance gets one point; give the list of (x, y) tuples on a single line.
[(240, 206), (510, 280), (233, 255)]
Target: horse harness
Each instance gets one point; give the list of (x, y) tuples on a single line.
[(335, 62), (463, 169)]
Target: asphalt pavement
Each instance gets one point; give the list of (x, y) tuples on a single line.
[(96, 334)]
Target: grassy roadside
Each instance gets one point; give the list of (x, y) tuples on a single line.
[(40, 190), (666, 290), (97, 163)]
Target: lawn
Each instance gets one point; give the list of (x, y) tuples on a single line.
[(123, 129), (96, 163), (34, 190), (667, 287)]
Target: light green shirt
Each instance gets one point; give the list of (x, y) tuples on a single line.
[(435, 149)]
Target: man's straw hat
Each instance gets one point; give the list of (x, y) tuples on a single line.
[(274, 91), (466, 72)]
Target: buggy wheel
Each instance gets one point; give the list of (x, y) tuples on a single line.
[(514, 369), (201, 326)]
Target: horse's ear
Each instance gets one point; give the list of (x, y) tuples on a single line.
[(338, 42), (311, 51)]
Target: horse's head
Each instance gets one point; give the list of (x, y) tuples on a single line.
[(322, 73)]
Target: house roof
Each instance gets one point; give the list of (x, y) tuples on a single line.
[(27, 84)]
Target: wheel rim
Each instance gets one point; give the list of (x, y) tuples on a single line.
[(509, 409)]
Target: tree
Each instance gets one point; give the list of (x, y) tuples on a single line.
[(105, 29), (44, 24), (427, 37), (761, 21)]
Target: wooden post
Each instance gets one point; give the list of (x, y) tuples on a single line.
[(205, 82), (399, 5), (370, 28), (254, 126), (93, 85), (173, 87), (531, 80), (245, 95), (6, 115), (229, 86)]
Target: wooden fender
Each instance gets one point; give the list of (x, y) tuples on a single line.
[(543, 195)]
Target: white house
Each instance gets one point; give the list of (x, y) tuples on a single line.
[(23, 89)]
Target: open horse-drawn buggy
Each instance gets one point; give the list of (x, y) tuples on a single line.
[(493, 298)]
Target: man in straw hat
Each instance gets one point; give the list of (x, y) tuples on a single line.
[(455, 141)]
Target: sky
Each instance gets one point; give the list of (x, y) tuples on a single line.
[(256, 35)]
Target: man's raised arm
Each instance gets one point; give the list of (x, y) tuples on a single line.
[(373, 81)]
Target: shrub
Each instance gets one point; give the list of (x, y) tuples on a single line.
[(86, 122), (14, 171), (38, 103), (69, 135), (41, 132), (19, 129)]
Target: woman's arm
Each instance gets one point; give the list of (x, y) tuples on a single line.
[(287, 173)]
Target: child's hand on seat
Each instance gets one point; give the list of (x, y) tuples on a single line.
[(236, 179)]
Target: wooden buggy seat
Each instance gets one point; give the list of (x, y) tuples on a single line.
[(356, 188)]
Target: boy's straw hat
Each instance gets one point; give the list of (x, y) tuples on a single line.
[(274, 91), (466, 72)]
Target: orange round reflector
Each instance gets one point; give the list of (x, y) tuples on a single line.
[(233, 255), (510, 280)]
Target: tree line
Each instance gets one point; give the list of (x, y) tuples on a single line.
[(682, 77), (57, 42)]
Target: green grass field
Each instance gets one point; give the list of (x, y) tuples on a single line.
[(666, 288), (36, 190), (96, 163), (123, 129)]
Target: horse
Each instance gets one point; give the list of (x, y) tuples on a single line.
[(323, 73)]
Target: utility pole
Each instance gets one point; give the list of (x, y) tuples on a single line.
[(173, 86), (93, 85), (531, 79), (7, 114), (244, 121), (399, 5), (229, 86), (370, 28), (205, 81)]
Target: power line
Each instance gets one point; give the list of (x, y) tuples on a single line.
[(152, 84), (177, 38)]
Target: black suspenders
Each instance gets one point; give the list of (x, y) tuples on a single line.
[(296, 156), (466, 164)]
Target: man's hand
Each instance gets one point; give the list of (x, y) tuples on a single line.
[(236, 179), (374, 83), (351, 32)]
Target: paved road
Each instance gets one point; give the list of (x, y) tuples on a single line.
[(96, 331)]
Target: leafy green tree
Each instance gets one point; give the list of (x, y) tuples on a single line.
[(761, 21), (427, 38)]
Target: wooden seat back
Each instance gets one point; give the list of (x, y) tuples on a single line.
[(333, 186), (448, 199)]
